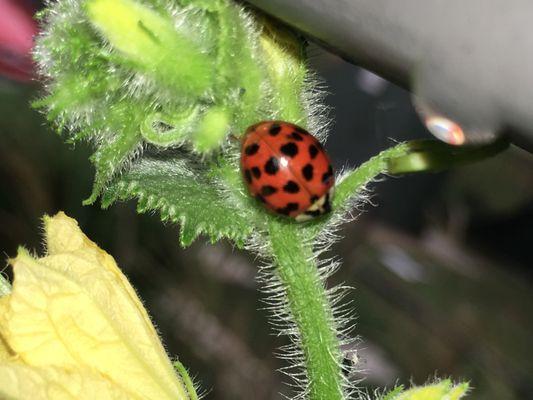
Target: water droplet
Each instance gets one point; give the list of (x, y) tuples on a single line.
[(461, 130), (438, 125), (445, 129)]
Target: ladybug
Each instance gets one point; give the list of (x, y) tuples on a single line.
[(287, 169)]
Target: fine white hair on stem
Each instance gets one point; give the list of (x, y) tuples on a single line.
[(276, 301)]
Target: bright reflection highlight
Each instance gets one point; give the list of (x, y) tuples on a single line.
[(445, 130)]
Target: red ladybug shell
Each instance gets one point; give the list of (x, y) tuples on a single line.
[(287, 169)]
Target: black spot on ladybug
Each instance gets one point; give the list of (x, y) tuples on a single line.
[(289, 149), (260, 198), (313, 151), (251, 149), (307, 172), (272, 166), (274, 129), (288, 208), (256, 172), (291, 187), (313, 199), (248, 175), (326, 177), (295, 136), (268, 190)]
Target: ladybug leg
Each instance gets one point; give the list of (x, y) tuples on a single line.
[(303, 217), (320, 207)]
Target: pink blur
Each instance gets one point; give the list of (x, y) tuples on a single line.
[(17, 31)]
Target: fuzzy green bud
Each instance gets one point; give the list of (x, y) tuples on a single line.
[(151, 42)]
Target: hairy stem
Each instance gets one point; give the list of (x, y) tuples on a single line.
[(355, 180), (187, 381), (310, 309)]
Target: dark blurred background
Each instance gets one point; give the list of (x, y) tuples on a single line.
[(442, 264)]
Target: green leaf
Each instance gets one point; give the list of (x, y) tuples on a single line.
[(108, 159), (182, 194)]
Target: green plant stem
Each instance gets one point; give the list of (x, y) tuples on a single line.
[(357, 179), (310, 309), (431, 155), (187, 381)]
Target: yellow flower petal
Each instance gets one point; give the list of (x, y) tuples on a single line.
[(5, 352), (74, 309), (438, 391), (458, 391), (21, 382)]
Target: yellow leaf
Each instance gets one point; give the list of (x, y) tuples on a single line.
[(19, 381), (74, 310)]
